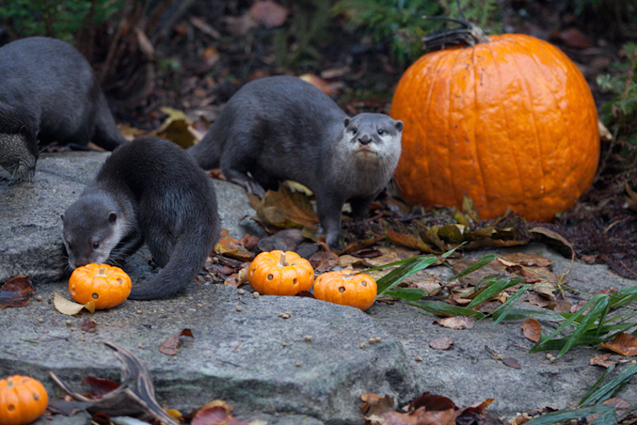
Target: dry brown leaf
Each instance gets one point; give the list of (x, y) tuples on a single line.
[(88, 325), (216, 412), (554, 237), (458, 322), (520, 258), (631, 199), (623, 343), (171, 344), (268, 13), (232, 247), (511, 362), (602, 360), (16, 292), (284, 208), (575, 38), (410, 240), (70, 308), (176, 128), (443, 343), (378, 410), (323, 85), (532, 329)]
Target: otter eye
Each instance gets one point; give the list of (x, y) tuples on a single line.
[(381, 131), (96, 245)]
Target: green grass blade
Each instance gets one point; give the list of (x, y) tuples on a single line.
[(596, 385), (568, 414), (611, 387), (444, 309), (409, 294), (597, 311), (493, 289), (396, 276), (475, 266), (606, 418), (521, 314), (573, 317), (508, 304)]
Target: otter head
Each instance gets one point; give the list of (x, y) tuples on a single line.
[(373, 139), (92, 228), (18, 144)]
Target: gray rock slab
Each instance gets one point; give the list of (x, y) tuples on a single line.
[(240, 356)]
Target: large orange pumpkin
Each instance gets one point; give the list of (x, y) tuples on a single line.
[(509, 123)]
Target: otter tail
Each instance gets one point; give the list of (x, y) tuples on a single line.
[(105, 134), (183, 259), (208, 151)]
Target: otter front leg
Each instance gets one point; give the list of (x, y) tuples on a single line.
[(329, 210), (360, 206)]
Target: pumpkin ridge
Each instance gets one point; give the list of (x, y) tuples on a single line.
[(535, 121), (474, 142), (553, 190), (451, 147)]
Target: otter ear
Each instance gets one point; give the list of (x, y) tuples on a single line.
[(399, 125), (112, 217), (346, 122)]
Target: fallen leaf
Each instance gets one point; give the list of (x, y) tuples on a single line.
[(231, 247), (458, 322), (443, 343), (172, 343), (176, 128), (88, 325), (532, 329), (99, 387), (284, 208), (554, 239), (16, 292), (324, 260), (216, 412), (323, 85), (631, 199), (268, 13), (520, 258), (511, 362), (575, 38), (602, 360), (623, 343), (410, 239), (70, 308)]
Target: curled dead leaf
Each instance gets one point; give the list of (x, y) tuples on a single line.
[(623, 343), (216, 412), (70, 308), (16, 292), (602, 360), (532, 329), (172, 343), (443, 343), (458, 322)]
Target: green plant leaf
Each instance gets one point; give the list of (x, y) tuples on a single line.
[(475, 266), (409, 294), (568, 414), (444, 309), (596, 385), (609, 389), (508, 304), (494, 288)]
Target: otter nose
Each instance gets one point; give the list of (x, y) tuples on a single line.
[(365, 139)]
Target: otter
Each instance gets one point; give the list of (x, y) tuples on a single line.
[(283, 128), (58, 98), (149, 190)]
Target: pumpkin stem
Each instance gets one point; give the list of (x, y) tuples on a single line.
[(469, 33), (102, 272), (282, 261)]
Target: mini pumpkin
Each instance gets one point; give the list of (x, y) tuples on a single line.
[(510, 123), (280, 273), (107, 286), (346, 287), (22, 400)]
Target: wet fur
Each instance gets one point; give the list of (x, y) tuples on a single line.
[(149, 190), (57, 94), (279, 128)]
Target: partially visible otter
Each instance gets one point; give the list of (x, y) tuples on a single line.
[(58, 98), (149, 190), (280, 128)]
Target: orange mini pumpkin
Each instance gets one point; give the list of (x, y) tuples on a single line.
[(22, 400), (346, 287), (107, 286), (509, 123), (280, 273)]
